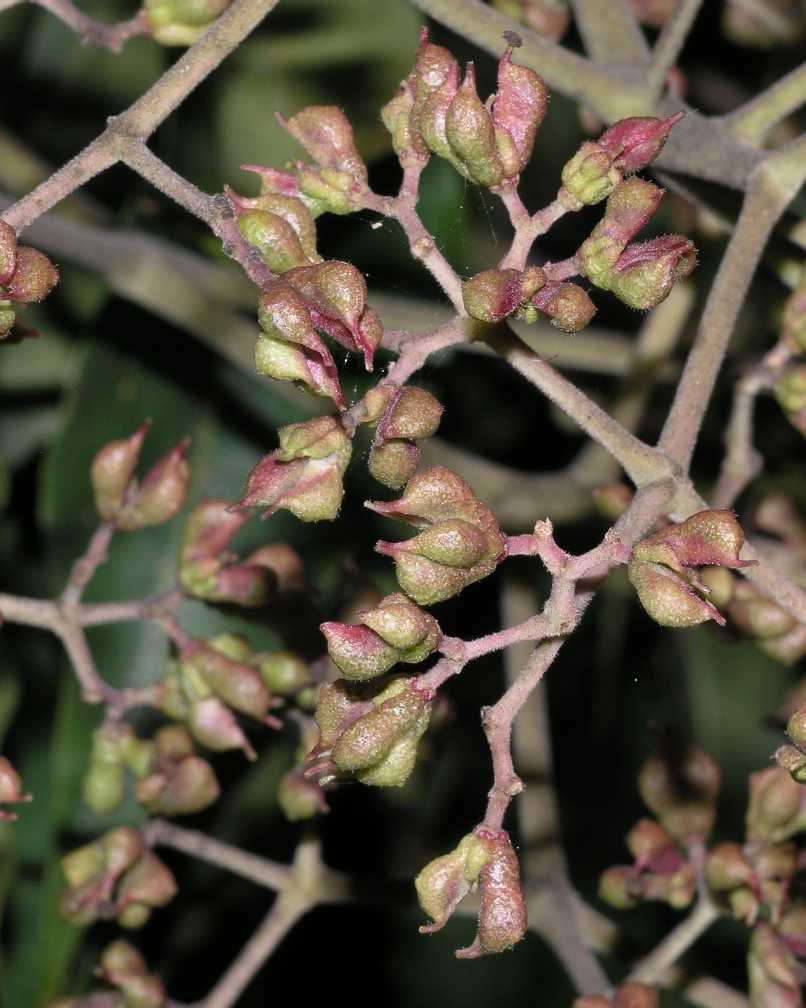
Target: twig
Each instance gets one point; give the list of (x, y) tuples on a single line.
[(651, 969), (610, 31), (112, 37), (268, 874), (85, 567), (754, 120), (669, 44)]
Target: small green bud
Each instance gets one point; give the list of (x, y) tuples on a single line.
[(284, 672), (161, 495), (182, 22), (112, 472), (105, 778), (300, 798), (274, 237), (471, 134), (444, 882), (667, 598)]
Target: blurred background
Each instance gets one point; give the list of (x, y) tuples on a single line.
[(150, 320)]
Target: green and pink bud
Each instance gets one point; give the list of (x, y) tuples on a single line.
[(707, 538), (395, 631), (160, 496), (409, 413), (11, 790), (122, 966), (776, 810), (112, 472), (305, 474), (148, 884), (216, 727), (566, 305), (289, 347), (299, 797), (635, 142), (445, 881), (291, 208), (683, 797), (518, 109), (471, 134), (176, 781), (493, 295), (645, 273), (33, 279), (669, 599), (502, 919)]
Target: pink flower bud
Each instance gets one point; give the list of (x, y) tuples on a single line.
[(178, 781), (629, 208), (773, 971), (336, 295), (518, 109), (682, 797), (10, 788), (112, 472), (237, 684), (774, 811), (394, 631), (434, 68), (300, 798), (492, 295), (161, 495), (34, 276), (8, 252), (635, 142), (645, 273), (790, 391), (566, 304), (471, 134), (707, 538), (728, 868), (290, 348), (502, 915), (305, 473), (215, 726), (326, 134)]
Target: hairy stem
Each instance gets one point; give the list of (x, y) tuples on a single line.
[(669, 44), (651, 969), (754, 120)]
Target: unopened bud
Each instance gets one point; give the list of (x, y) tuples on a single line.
[(617, 887), (146, 885), (774, 810), (773, 970), (728, 868), (300, 798), (112, 472), (275, 239), (182, 22), (667, 598), (234, 682), (502, 914), (567, 305), (471, 134), (684, 797), (161, 495), (588, 178), (284, 672), (517, 110), (304, 475), (492, 295), (105, 778), (635, 142), (757, 615), (215, 726), (34, 276), (326, 134), (707, 538)]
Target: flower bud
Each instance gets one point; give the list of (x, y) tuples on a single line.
[(284, 672), (181, 22), (617, 887), (304, 475), (635, 142), (720, 585), (793, 320), (105, 778), (772, 970), (707, 538), (408, 413), (290, 208), (112, 472), (161, 495), (728, 868), (214, 725), (34, 277), (146, 885), (336, 295), (667, 598), (683, 798), (275, 239), (458, 528), (300, 798), (502, 915), (395, 631), (629, 208), (393, 463), (124, 967), (8, 252), (380, 747), (774, 810), (588, 178), (433, 84), (445, 882), (232, 681), (648, 841), (471, 134), (517, 110), (757, 615), (10, 788), (566, 304), (646, 272), (326, 134), (181, 784), (492, 295), (790, 391)]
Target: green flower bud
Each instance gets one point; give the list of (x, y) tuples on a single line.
[(493, 295), (774, 810), (444, 882), (728, 868), (161, 495), (105, 777), (616, 887), (757, 615), (284, 672), (182, 22), (567, 305), (237, 684), (588, 178), (148, 883), (326, 134), (274, 237), (667, 598), (300, 798), (7, 318), (471, 134)]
